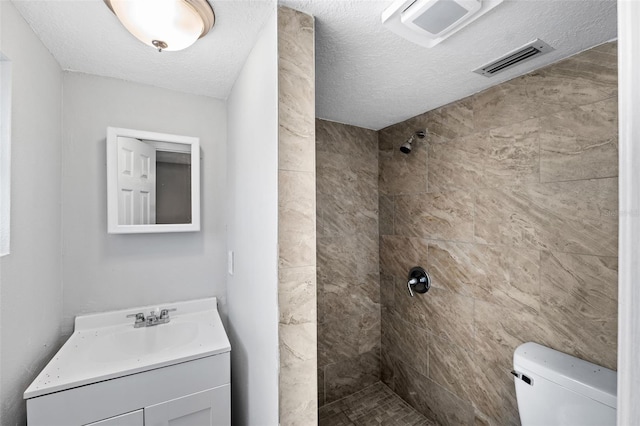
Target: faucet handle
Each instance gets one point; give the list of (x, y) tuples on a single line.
[(410, 285), (139, 317), (164, 313), (418, 281)]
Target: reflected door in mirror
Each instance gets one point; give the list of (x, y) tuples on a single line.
[(136, 182)]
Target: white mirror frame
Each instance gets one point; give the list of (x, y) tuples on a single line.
[(112, 182)]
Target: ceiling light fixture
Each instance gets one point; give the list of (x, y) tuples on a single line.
[(165, 24)]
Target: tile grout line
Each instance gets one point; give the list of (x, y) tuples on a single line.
[(503, 246)]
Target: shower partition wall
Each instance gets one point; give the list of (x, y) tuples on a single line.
[(347, 260)]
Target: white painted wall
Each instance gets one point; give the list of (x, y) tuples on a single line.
[(102, 271), (252, 291), (5, 154), (5, 225), (30, 277), (629, 232)]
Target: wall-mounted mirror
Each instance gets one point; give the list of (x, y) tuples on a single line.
[(153, 182)]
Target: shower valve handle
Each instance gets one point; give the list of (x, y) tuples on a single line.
[(410, 284), (418, 281)]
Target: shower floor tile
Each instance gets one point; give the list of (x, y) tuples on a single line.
[(375, 405)]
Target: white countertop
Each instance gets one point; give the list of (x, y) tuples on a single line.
[(106, 345)]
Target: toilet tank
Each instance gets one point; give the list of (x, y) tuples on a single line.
[(554, 388)]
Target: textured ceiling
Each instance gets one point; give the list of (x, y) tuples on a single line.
[(366, 75), (83, 35)]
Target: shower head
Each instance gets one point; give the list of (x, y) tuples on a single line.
[(405, 148)]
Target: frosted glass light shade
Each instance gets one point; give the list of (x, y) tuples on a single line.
[(174, 23)]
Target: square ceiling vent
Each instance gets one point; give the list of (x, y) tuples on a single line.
[(428, 22)]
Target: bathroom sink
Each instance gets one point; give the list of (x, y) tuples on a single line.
[(126, 343), (106, 345)]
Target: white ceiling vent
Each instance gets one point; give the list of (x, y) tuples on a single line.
[(528, 51), (428, 22)]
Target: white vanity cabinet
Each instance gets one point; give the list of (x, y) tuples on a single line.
[(210, 407), (135, 418), (184, 379), (195, 393)]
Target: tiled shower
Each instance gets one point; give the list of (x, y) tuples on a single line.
[(348, 269), (510, 203)]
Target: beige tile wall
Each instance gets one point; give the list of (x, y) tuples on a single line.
[(348, 270), (296, 218), (511, 204)]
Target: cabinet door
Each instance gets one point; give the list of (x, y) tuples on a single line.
[(207, 408), (135, 418)]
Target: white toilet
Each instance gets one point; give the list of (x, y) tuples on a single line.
[(554, 388)]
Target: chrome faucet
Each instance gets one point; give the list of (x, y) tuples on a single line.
[(151, 319), (140, 321), (164, 314)]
